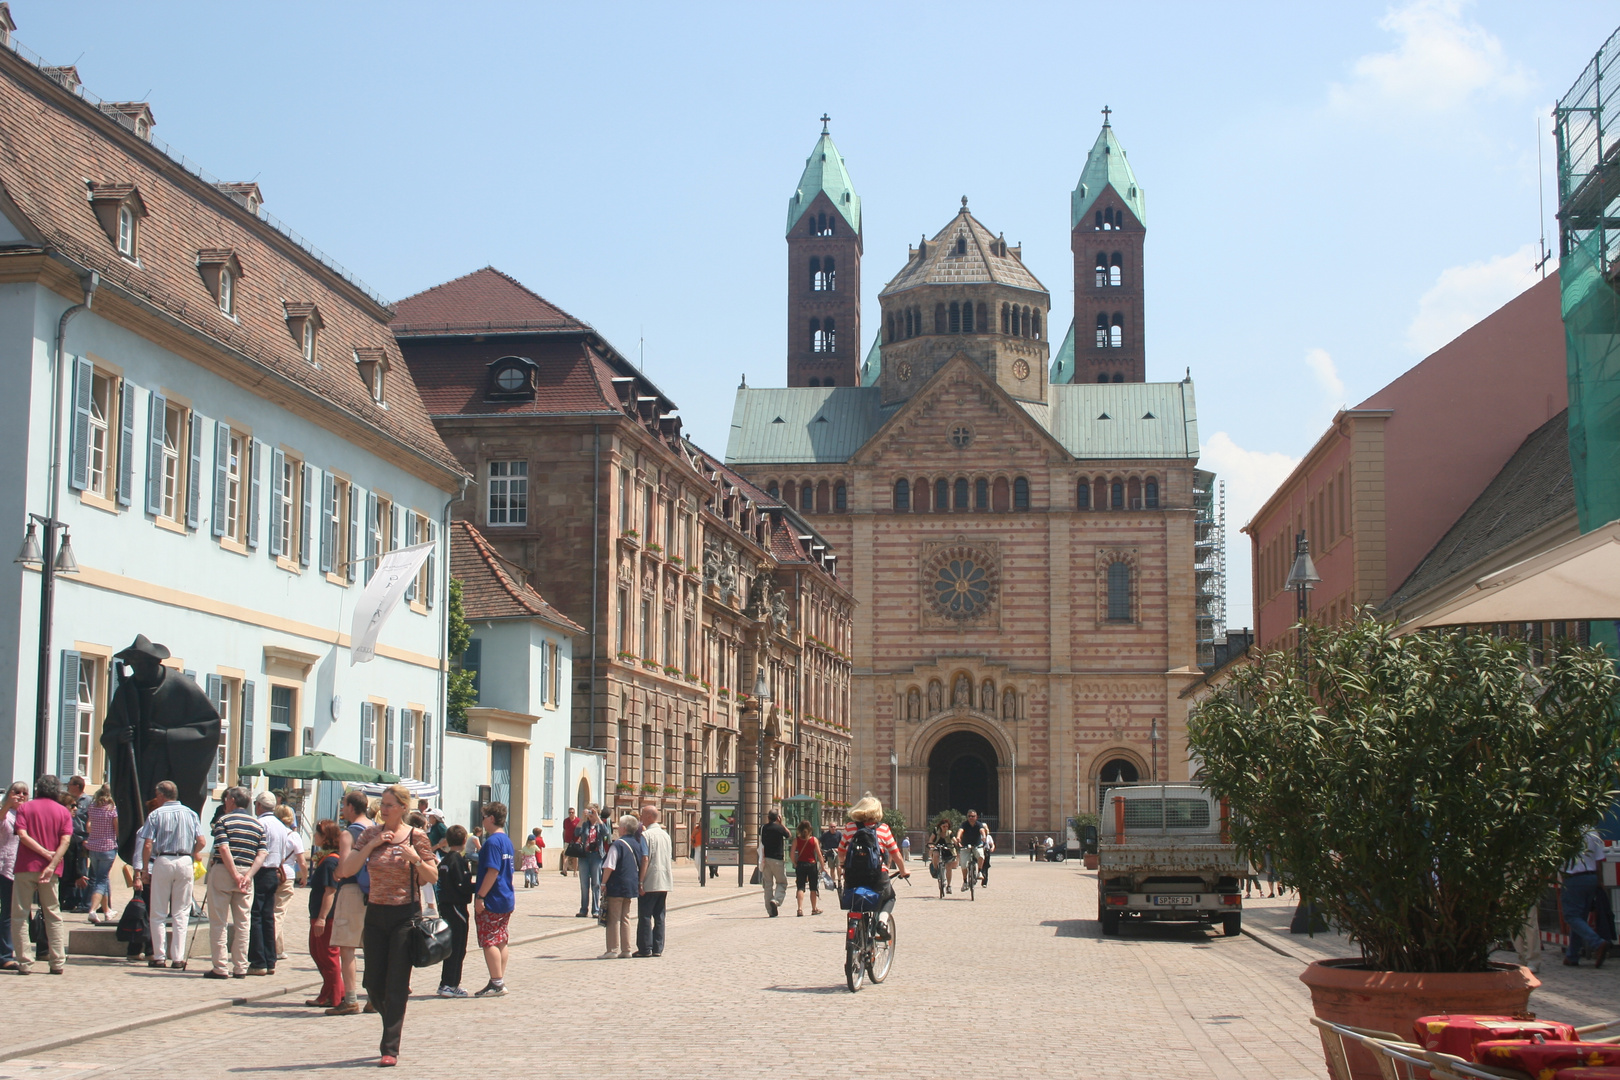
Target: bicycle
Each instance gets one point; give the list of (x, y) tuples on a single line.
[(969, 857), (868, 943), (943, 857)]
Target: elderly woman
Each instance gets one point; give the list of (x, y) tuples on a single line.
[(621, 884), (399, 860)]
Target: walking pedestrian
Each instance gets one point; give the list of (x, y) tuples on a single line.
[(267, 881), (349, 911), (621, 883), (989, 850), (492, 907), (829, 853), (322, 899), (773, 838), (807, 860), (436, 830), (171, 845), (294, 872), (101, 847), (398, 861), (239, 855), (75, 894), (16, 795), (593, 837), (905, 848), (657, 878), (531, 862), (44, 830), (1579, 893), (570, 855), (457, 885)]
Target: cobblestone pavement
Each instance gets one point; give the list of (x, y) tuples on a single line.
[(1021, 973)]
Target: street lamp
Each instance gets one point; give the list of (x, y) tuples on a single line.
[(894, 781), (1302, 578), (1153, 748), (50, 562)]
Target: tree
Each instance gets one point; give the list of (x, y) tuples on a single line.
[(461, 693)]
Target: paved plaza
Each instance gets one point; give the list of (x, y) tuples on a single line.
[(1022, 969)]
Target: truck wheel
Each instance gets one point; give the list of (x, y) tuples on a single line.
[(1110, 922), (1232, 924)]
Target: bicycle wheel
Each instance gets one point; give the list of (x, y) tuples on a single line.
[(970, 876), (882, 952), (855, 957)]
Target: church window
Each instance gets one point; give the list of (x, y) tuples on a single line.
[(902, 495), (1005, 320), (823, 225), (807, 497), (961, 245), (1150, 494), (888, 327), (956, 317), (908, 323), (829, 274), (1102, 330), (773, 489), (1021, 494), (822, 492), (1102, 269), (830, 335), (981, 494), (1116, 495), (815, 335), (1023, 326), (1116, 270), (1109, 220), (1116, 332), (984, 320), (998, 500), (815, 273), (1082, 494), (840, 497), (961, 436), (967, 317), (1119, 592), (961, 493), (939, 318), (1119, 376), (828, 381), (1035, 324), (790, 493), (1103, 377), (1097, 220), (942, 496), (814, 381)]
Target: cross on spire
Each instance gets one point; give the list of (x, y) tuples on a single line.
[(1106, 111), (825, 120)]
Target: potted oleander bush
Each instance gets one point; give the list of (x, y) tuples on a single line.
[(1421, 791)]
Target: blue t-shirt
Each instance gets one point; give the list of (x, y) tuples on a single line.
[(497, 853)]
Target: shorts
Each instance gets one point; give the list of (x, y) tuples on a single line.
[(491, 927), (349, 917), (806, 875)]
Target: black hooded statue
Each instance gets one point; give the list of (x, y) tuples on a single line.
[(160, 726)]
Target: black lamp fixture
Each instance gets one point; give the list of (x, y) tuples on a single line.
[(50, 561)]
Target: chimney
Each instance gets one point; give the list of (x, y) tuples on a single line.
[(245, 195), (134, 115)]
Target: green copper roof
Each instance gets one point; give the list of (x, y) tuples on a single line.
[(1063, 359), (804, 424), (824, 171), (1123, 420), (874, 362), (1105, 165)]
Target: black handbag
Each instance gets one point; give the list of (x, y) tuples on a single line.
[(430, 935)]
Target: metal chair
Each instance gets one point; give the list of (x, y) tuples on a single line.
[(1334, 1037)]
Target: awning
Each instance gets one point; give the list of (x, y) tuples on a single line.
[(1577, 580), (419, 789)]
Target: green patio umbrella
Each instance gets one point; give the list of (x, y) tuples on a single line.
[(316, 765)]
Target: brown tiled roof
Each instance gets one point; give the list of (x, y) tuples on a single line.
[(488, 590), (484, 301), (52, 141), (452, 375), (939, 264)]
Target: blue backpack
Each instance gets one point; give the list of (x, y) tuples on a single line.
[(863, 858)]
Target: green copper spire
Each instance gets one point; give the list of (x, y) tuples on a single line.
[(1106, 164), (824, 171)]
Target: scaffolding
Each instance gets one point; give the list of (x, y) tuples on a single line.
[(1209, 564)]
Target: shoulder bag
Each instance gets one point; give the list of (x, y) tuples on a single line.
[(430, 935)]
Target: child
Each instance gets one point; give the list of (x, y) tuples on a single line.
[(531, 863), (456, 888)]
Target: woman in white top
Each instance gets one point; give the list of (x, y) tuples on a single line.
[(294, 872)]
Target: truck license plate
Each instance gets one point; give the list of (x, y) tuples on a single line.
[(1168, 900)]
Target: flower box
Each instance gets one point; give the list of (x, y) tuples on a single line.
[(649, 789), (674, 671), (622, 787)]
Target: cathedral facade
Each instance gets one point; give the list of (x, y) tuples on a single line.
[(1020, 529)]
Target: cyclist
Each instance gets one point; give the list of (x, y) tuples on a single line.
[(942, 849), (869, 812), (972, 835), (989, 850)]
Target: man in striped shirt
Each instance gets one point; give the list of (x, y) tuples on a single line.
[(239, 852), (868, 812)]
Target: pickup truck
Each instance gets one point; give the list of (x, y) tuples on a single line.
[(1165, 856)]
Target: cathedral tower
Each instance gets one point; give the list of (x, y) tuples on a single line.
[(1107, 223), (824, 272)]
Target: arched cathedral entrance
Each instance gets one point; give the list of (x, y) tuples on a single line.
[(962, 775)]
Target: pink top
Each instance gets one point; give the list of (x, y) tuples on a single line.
[(8, 845), (46, 821), (103, 828)]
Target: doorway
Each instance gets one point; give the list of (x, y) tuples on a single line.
[(962, 776), (1115, 771)]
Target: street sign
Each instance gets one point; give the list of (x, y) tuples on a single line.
[(722, 822), (722, 787)]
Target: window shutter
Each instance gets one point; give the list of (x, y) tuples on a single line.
[(390, 740), (212, 685), (304, 533), (126, 444), (372, 539), (354, 533), (216, 691), (84, 378), (245, 757), (222, 473), (393, 529), (194, 475), (427, 747), (278, 465), (156, 408), (328, 523), (367, 750), (255, 456), (433, 552), (67, 734), (410, 540)]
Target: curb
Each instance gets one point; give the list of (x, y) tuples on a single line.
[(232, 1003), (1269, 945)]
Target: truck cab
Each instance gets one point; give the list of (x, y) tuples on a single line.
[(1166, 856)]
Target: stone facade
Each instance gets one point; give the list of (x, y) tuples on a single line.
[(824, 290), (1108, 291)]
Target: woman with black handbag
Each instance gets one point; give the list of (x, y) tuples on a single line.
[(399, 860)]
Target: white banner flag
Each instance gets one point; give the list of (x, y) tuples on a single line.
[(393, 576)]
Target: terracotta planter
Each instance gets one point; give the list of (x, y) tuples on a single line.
[(1344, 992), (1091, 860)]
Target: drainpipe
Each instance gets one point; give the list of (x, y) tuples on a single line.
[(444, 631), (596, 542)]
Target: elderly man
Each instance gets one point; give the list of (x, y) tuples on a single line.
[(657, 878), (172, 842), (239, 853), (266, 883)]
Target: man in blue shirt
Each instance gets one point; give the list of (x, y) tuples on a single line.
[(492, 907)]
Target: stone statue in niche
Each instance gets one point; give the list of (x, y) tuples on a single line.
[(1009, 705), (779, 610), (913, 704), (962, 691), (711, 564), (936, 696), (987, 697)]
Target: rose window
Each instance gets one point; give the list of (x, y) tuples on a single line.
[(960, 582)]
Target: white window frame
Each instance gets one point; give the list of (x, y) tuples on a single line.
[(233, 486), (227, 292), (286, 490), (230, 695), (308, 344), (174, 453), (84, 742), (126, 232), (102, 389), (407, 742), (508, 485)]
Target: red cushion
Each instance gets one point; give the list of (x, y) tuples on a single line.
[(1543, 1060), (1601, 1072), (1457, 1034)]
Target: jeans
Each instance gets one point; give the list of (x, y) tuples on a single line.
[(1579, 892), (262, 921), (388, 967), (618, 924), (450, 973), (169, 906), (101, 863), (590, 883), (24, 886), (227, 913), (650, 911), (773, 880), (5, 921)]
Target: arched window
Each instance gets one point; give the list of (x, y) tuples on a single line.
[(829, 334), (1021, 494), (829, 275), (1104, 376), (942, 495), (1005, 320), (1116, 269), (840, 497), (814, 381), (998, 498), (908, 331), (790, 492), (961, 245), (1035, 324), (939, 318), (1102, 330), (773, 489), (1116, 332), (807, 497), (902, 495), (961, 493), (888, 327), (1082, 494), (1150, 494), (815, 273), (1102, 269), (1119, 592), (815, 335), (956, 317), (1116, 495), (829, 381), (1109, 220), (981, 494), (1097, 219), (1133, 493), (1119, 376), (984, 320)]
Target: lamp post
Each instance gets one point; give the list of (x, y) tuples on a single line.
[(1153, 750), (51, 562), (762, 702), (894, 781), (1302, 578)]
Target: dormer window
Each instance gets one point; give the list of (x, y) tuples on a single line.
[(227, 291), (511, 378), (119, 209), (220, 273), (372, 364), (134, 115), (246, 195), (304, 324), (307, 346), (126, 232)]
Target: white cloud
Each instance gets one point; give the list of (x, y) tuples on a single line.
[(1250, 476), (1463, 295), (1327, 373), (1439, 62)]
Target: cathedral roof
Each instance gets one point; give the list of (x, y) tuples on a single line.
[(873, 367), (978, 257), (1063, 359), (804, 424), (1105, 165), (824, 171)]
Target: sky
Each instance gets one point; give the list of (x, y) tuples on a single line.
[(1333, 190)]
